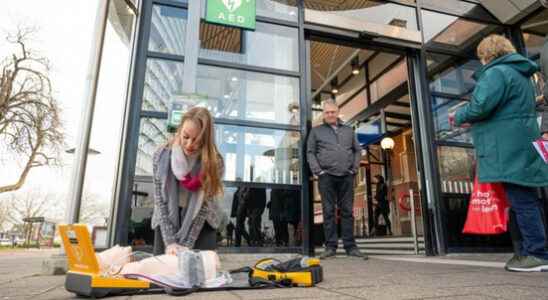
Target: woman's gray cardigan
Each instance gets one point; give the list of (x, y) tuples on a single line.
[(166, 204)]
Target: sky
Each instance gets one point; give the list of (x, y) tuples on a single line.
[(64, 37)]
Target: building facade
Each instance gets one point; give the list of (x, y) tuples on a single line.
[(396, 68)]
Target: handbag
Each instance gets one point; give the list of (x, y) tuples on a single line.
[(487, 210)]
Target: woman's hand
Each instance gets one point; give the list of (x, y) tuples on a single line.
[(545, 136), (172, 249)]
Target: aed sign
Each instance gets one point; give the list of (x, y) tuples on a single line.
[(237, 13)]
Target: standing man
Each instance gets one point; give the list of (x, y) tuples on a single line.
[(334, 156)]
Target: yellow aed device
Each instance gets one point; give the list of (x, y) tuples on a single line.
[(303, 272), (83, 277)]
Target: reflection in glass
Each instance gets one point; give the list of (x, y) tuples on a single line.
[(167, 30), (373, 11), (259, 155), (250, 154), (278, 9), (445, 132), (451, 75), (457, 169), (533, 43), (252, 96), (453, 33), (152, 134), (390, 80), (278, 43), (261, 217), (140, 233), (163, 84)]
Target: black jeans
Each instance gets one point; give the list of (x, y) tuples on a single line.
[(338, 192), (254, 223)]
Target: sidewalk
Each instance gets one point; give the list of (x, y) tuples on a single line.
[(382, 277)]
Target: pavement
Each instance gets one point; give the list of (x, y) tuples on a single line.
[(381, 277)]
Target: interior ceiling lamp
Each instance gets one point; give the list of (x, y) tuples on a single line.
[(334, 86), (355, 65), (387, 143)]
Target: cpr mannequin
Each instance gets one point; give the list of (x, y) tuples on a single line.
[(188, 268)]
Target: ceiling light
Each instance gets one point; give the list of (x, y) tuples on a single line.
[(334, 86), (226, 96), (355, 65)]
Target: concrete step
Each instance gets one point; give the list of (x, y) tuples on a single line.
[(388, 240), (374, 252)]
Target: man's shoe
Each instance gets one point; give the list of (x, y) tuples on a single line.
[(528, 264), (355, 252), (328, 253), (512, 262)]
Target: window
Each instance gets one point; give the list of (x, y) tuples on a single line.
[(269, 46), (444, 131), (278, 9), (451, 75), (252, 96), (456, 167), (152, 134), (168, 30), (259, 155), (163, 83), (453, 33), (373, 11), (250, 154)]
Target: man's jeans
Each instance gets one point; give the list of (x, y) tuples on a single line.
[(337, 192), (525, 204)]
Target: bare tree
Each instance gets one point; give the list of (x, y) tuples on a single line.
[(31, 204), (93, 211), (4, 218), (30, 126)]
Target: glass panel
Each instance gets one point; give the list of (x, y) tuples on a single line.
[(167, 31), (457, 168), (152, 134), (461, 8), (103, 156), (163, 83), (451, 75), (453, 33), (243, 95), (389, 81), (379, 64), (273, 217), (259, 155), (444, 132), (140, 233), (250, 154), (278, 9), (537, 23), (533, 43), (278, 43), (353, 107), (373, 11)]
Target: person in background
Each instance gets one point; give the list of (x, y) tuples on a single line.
[(239, 211), (334, 156), (382, 206), (229, 233), (504, 125), (187, 180)]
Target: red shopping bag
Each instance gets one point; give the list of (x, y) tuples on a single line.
[(487, 210)]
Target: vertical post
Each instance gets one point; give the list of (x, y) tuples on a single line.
[(192, 46), (84, 132), (413, 221)]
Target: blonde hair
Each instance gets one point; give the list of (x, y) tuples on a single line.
[(494, 46), (211, 159)]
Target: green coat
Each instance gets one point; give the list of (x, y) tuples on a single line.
[(504, 123)]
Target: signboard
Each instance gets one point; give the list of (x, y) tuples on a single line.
[(237, 13)]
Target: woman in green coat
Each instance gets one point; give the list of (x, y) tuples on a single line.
[(504, 126)]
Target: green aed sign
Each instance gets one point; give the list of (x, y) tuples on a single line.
[(238, 13)]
